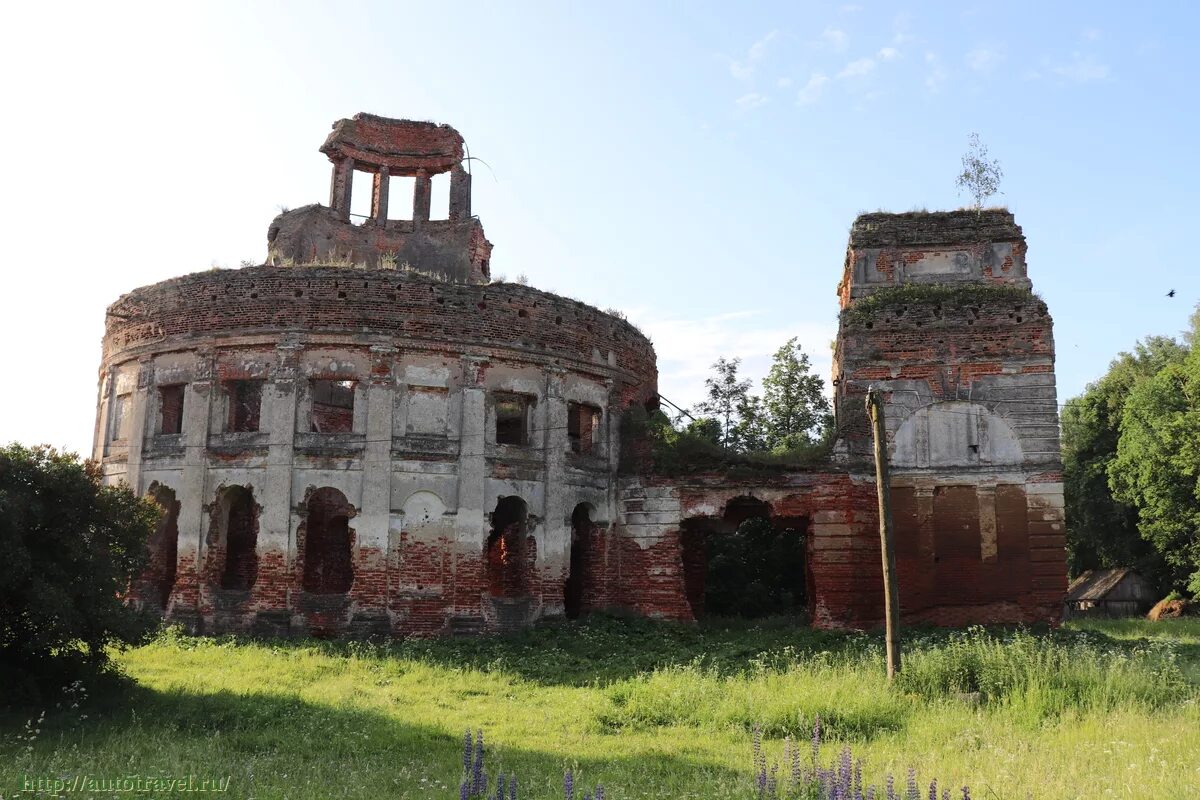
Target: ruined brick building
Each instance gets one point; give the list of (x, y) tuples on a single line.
[(391, 443)]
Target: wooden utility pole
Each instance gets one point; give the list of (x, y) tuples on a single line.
[(883, 486)]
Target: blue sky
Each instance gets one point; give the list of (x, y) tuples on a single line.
[(696, 165)]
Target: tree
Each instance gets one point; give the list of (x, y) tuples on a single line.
[(794, 404), (980, 176), (726, 396), (68, 548), (1157, 468), (1102, 531)]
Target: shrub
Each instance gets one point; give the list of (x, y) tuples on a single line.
[(68, 548)]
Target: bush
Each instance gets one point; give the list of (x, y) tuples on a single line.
[(68, 548)]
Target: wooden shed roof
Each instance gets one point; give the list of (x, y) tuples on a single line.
[(1096, 583)]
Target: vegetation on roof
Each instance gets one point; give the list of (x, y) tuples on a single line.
[(863, 309)]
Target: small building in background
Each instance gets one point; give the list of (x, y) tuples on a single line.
[(1117, 592)]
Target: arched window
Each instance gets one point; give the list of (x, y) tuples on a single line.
[(328, 544), (506, 551), (582, 561), (241, 539), (162, 549)]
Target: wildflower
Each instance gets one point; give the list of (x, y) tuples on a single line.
[(468, 749), (599, 792), (500, 786), (816, 738), (480, 782), (912, 792), (966, 793), (512, 787), (464, 790), (568, 785), (933, 789), (846, 768)]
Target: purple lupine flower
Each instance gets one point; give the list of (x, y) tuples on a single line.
[(912, 793), (858, 765), (512, 787), (797, 774), (816, 738), (464, 790), (845, 768), (773, 782), (599, 792), (891, 788), (933, 789), (468, 750), (966, 793), (870, 795), (587, 796), (500, 786), (479, 785), (945, 794), (569, 785)]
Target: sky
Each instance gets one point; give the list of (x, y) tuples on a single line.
[(696, 165)]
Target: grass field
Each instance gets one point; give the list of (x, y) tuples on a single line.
[(648, 710)]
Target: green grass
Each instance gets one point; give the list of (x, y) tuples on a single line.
[(1106, 709)]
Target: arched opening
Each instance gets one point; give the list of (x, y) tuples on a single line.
[(693, 553), (506, 548), (162, 549), (241, 539), (328, 543), (582, 558), (747, 564)]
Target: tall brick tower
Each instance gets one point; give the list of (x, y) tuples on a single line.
[(938, 313)]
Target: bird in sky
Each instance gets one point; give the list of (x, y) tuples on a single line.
[(1171, 293)]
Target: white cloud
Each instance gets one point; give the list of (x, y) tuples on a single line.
[(858, 68), (835, 39), (887, 54), (744, 69), (752, 100), (1082, 69), (985, 58), (812, 90)]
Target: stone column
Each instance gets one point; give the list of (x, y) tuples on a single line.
[(275, 550), (142, 407), (341, 187), (373, 521), (460, 193), (421, 197), (472, 505), (187, 597), (555, 543), (379, 195)]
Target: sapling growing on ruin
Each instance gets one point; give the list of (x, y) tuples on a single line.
[(980, 175)]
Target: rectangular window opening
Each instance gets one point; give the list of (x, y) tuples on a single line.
[(401, 191), (332, 406), (361, 189), (439, 196), (512, 419), (170, 409), (245, 405), (582, 424)]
